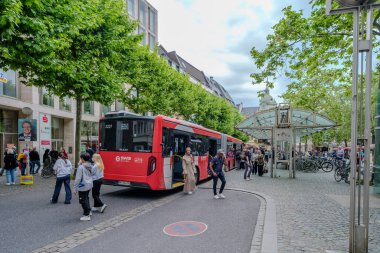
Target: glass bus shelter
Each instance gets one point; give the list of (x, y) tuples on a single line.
[(282, 126)]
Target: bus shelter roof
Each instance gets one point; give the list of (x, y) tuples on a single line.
[(304, 122)]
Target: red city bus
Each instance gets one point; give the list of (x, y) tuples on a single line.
[(146, 151)]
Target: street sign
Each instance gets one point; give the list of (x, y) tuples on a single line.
[(185, 228)]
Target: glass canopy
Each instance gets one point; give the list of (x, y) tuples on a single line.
[(304, 123)]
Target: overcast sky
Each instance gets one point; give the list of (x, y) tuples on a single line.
[(216, 36)]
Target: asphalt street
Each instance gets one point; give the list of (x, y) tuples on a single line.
[(29, 221)]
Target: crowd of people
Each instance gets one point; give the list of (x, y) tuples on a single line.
[(89, 175)]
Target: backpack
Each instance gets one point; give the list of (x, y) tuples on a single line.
[(260, 160), (9, 162)]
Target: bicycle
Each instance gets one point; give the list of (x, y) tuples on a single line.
[(48, 171), (323, 163), (343, 172)]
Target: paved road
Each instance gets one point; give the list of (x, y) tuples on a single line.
[(132, 223), (312, 211)]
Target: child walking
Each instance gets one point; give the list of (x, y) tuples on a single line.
[(83, 184), (97, 177)]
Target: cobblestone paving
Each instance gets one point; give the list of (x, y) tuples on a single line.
[(308, 220)]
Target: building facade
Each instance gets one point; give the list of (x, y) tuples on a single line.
[(146, 14), (196, 76), (52, 118)]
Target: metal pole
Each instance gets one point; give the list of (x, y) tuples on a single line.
[(367, 126), (354, 116)]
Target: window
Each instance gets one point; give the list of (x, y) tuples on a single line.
[(89, 134), (88, 107), (57, 128), (119, 106), (131, 135), (65, 104), (152, 41), (142, 31), (105, 109), (152, 21), (131, 7), (46, 98), (8, 121), (166, 142), (142, 12), (8, 83)]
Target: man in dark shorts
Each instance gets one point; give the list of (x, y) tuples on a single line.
[(216, 168)]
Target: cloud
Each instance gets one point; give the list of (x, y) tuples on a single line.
[(216, 36)]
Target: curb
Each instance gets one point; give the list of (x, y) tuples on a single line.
[(265, 236)]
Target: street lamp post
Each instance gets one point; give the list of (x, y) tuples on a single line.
[(362, 43)]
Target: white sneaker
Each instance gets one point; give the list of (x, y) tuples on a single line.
[(90, 213), (190, 193), (103, 208), (216, 197), (85, 218), (94, 209), (222, 196), (13, 183), (8, 183)]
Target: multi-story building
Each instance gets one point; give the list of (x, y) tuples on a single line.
[(146, 14), (196, 75), (53, 118)]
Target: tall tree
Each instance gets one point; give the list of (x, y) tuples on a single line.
[(72, 48), (314, 53)]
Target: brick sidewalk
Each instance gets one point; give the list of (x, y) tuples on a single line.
[(312, 210)]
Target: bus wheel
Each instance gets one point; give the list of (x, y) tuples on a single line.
[(196, 175)]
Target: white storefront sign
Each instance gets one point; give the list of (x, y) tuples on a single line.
[(45, 132)]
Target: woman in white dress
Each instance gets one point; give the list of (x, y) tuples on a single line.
[(188, 172)]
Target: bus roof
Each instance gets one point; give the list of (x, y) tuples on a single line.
[(123, 114)]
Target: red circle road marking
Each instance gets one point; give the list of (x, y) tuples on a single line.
[(185, 228)]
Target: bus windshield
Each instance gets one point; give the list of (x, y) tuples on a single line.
[(126, 134)]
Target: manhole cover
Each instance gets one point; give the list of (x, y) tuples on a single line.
[(185, 228)]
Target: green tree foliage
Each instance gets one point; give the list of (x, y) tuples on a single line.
[(72, 48), (314, 53), (87, 50)]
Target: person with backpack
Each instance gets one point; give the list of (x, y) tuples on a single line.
[(62, 168), (83, 184), (260, 164), (10, 165), (22, 158), (97, 177)]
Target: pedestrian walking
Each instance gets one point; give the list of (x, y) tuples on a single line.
[(254, 161), (53, 156), (63, 151), (248, 167), (97, 177), (3, 167), (22, 158), (188, 172), (260, 165), (10, 165), (83, 184), (238, 160), (46, 159), (34, 159), (62, 168), (216, 167)]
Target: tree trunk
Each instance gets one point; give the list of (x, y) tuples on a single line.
[(78, 129), (345, 142)]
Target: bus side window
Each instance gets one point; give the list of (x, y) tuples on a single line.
[(166, 147)]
